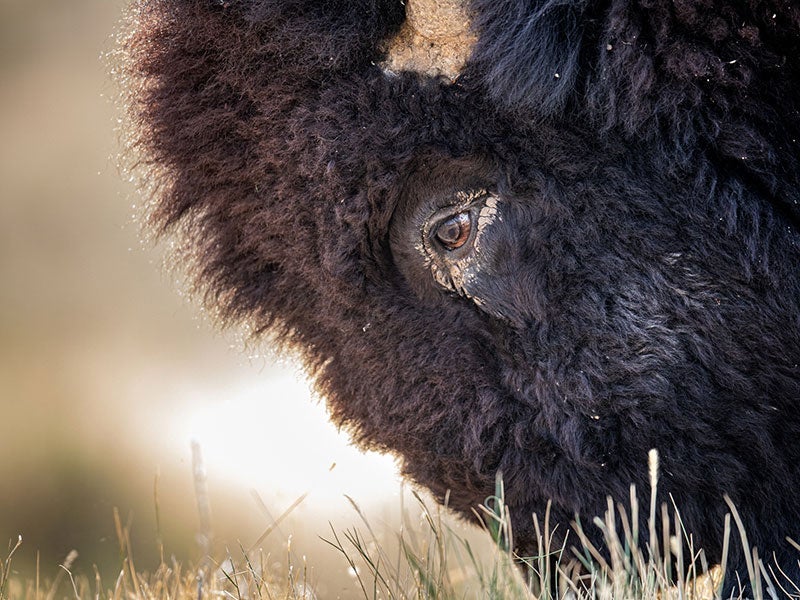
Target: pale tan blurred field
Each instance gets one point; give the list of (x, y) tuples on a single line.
[(106, 372)]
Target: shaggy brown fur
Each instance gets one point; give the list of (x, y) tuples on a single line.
[(636, 286)]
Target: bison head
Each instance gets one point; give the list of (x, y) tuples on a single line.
[(580, 246)]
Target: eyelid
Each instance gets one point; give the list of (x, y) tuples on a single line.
[(436, 220), (470, 201), (467, 200)]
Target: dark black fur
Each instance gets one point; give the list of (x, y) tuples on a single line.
[(641, 289)]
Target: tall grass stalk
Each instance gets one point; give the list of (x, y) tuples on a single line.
[(5, 568)]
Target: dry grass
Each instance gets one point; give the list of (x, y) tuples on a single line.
[(433, 561)]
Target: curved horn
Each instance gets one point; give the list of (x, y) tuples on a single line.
[(435, 39)]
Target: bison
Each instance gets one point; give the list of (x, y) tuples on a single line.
[(541, 242)]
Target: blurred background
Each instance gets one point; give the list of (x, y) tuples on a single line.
[(107, 373)]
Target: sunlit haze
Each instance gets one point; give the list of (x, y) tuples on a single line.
[(268, 432)]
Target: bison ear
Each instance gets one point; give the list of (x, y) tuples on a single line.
[(527, 54)]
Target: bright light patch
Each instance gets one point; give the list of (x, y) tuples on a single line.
[(272, 435)]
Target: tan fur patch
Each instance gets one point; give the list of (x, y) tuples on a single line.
[(435, 39)]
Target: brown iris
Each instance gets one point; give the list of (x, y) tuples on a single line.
[(454, 231)]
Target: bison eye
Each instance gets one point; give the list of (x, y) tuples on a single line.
[(453, 232)]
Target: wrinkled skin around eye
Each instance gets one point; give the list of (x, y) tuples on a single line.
[(433, 234), (448, 237)]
